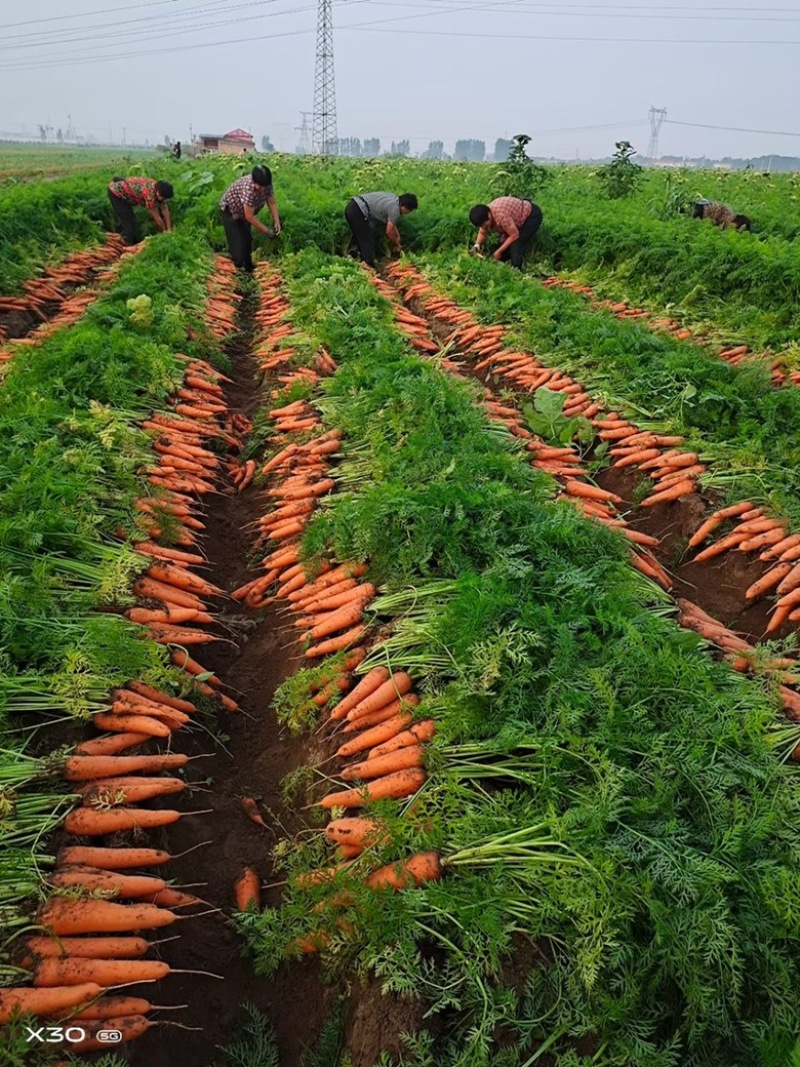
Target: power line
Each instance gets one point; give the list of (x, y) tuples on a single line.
[(732, 129), (84, 14), (576, 11), (563, 37)]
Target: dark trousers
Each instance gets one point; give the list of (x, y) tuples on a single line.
[(516, 252), (126, 217), (362, 232), (239, 234)]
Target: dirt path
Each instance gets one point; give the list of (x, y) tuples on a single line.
[(251, 759)]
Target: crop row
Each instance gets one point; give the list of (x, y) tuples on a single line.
[(575, 727)]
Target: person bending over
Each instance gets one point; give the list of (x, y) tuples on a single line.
[(240, 205), (127, 193), (515, 219), (377, 209), (721, 215)]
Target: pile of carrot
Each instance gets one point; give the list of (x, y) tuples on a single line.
[(522, 369), (220, 308)]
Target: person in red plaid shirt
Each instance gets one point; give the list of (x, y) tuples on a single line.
[(515, 218), (127, 193), (240, 204)]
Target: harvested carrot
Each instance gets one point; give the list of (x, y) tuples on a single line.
[(250, 808), (715, 520), (341, 619), (178, 635), (71, 917), (381, 715), (111, 744), (353, 831), (128, 724), (397, 685), (132, 789), (773, 577), (415, 871), (375, 736), (421, 732), (247, 890), (161, 698), (401, 784), (674, 492), (718, 547), (84, 822), (110, 882), (172, 898), (380, 766), (337, 644), (590, 492), (91, 948), (130, 1027), (88, 768), (45, 1002), (110, 1007)]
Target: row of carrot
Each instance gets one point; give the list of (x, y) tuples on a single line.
[(733, 354), (89, 940)]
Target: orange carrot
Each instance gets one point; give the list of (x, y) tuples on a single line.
[(130, 1027), (250, 808), (178, 635), (45, 1002), (71, 917), (110, 1007), (128, 724), (415, 871), (421, 732), (674, 492), (111, 744), (717, 519), (375, 736), (768, 537), (353, 831), (84, 822), (161, 698), (247, 890), (337, 644), (398, 685), (130, 789), (111, 859), (400, 760), (341, 619), (718, 547), (768, 580), (402, 784), (88, 768), (90, 948), (381, 715), (590, 492), (124, 885), (171, 898)]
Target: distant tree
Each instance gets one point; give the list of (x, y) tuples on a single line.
[(167, 141), (502, 148), (372, 147), (43, 132), (350, 146), (470, 151), (59, 136), (400, 148), (435, 150), (621, 176), (266, 144), (520, 176)]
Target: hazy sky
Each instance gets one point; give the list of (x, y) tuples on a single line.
[(421, 69)]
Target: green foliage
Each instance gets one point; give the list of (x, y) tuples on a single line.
[(520, 176), (254, 1044), (621, 176)]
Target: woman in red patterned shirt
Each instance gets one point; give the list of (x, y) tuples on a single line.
[(127, 193), (239, 206), (515, 218)]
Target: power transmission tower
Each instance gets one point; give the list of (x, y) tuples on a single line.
[(304, 147), (325, 140), (657, 118)]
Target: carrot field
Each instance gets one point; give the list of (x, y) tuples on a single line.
[(400, 667)]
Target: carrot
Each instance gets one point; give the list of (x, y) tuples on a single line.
[(381, 715), (398, 685), (247, 890), (147, 548), (716, 520), (377, 735), (779, 617), (401, 784), (130, 1027), (415, 871), (336, 644), (87, 768), (182, 579), (71, 917), (128, 724), (773, 576), (718, 547), (365, 591), (111, 1007), (171, 898), (590, 492), (305, 599), (111, 744), (84, 822), (112, 859), (45, 1002), (353, 831), (337, 620), (422, 731), (100, 948), (129, 790), (250, 808), (161, 698), (399, 760), (127, 885), (768, 537), (185, 662), (177, 635), (674, 492)]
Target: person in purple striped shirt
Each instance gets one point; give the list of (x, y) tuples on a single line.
[(240, 205)]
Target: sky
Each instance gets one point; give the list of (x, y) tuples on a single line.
[(577, 77)]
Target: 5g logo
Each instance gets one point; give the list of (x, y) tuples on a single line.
[(55, 1035)]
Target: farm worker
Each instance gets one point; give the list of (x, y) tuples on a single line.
[(239, 206), (516, 219), (127, 193), (176, 150), (720, 214), (383, 208)]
